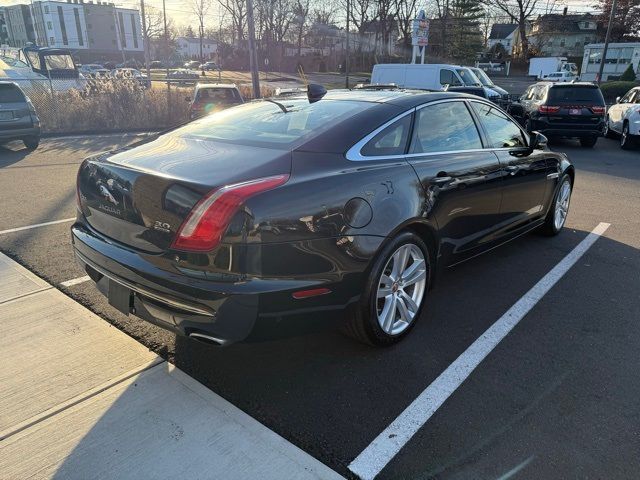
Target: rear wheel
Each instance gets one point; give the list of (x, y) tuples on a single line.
[(394, 294), (31, 143), (559, 210), (588, 142), (626, 139)]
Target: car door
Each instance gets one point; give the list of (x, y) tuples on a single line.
[(524, 170), (618, 110), (460, 178)]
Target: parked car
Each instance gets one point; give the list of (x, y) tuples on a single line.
[(428, 77), (93, 70), (623, 119), (18, 117), (562, 110), (182, 76), (213, 97), (342, 201), (503, 95), (208, 66), (561, 77), (156, 64), (193, 64), (131, 74)]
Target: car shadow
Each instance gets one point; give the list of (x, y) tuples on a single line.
[(11, 153), (331, 396)]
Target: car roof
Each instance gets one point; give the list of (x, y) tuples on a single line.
[(567, 85), (404, 98), (200, 86)]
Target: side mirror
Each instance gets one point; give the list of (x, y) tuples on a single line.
[(538, 141), (315, 92), (617, 99)]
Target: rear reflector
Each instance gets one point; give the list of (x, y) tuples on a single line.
[(548, 109), (209, 219), (310, 293)]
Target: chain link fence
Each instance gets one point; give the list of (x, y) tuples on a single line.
[(112, 104)]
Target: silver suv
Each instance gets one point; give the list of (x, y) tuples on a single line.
[(18, 117)]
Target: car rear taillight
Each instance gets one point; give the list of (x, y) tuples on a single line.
[(209, 219), (548, 109), (598, 110)]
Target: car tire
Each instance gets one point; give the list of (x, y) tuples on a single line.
[(382, 320), (31, 143), (607, 132), (627, 142), (588, 142), (557, 215)]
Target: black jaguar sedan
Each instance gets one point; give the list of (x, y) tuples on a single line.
[(349, 202)]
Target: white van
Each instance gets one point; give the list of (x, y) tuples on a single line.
[(427, 76)]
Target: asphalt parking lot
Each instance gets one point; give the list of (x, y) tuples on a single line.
[(557, 398)]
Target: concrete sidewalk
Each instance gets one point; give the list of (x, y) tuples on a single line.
[(80, 399)]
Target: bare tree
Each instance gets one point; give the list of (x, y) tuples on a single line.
[(154, 22), (200, 8), (300, 15), (520, 12), (237, 10), (406, 11)]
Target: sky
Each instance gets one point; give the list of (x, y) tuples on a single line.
[(179, 10)]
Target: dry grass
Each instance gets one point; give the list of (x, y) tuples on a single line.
[(108, 106)]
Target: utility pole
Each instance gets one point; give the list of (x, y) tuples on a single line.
[(346, 57), (145, 39), (606, 41), (253, 55), (166, 43)]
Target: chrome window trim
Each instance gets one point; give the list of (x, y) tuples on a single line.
[(354, 153)]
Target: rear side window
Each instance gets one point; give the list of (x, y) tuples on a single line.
[(575, 94), (11, 94), (390, 141), (444, 127), (502, 132)]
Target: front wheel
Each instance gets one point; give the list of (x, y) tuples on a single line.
[(607, 133), (626, 139), (394, 293), (559, 210)]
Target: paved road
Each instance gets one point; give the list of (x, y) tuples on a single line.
[(558, 398)]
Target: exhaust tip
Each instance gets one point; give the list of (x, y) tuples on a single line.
[(208, 339)]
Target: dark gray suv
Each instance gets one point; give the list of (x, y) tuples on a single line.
[(18, 117)]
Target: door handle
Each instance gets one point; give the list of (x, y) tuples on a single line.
[(442, 180)]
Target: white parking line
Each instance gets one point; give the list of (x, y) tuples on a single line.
[(75, 281), (387, 445), (19, 229)]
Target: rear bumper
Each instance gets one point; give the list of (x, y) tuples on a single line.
[(12, 134), (568, 129), (228, 311)]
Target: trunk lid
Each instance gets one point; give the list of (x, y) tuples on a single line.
[(140, 196)]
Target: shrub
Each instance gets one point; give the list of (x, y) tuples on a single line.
[(611, 90), (110, 105), (629, 74)]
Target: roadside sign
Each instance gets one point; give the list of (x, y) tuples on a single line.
[(420, 30)]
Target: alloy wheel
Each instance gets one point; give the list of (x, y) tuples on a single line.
[(401, 289), (562, 205), (624, 138)]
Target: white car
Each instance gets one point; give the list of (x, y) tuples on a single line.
[(561, 77), (623, 119)]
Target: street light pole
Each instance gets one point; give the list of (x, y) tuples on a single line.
[(606, 41), (346, 57), (166, 43), (253, 56), (145, 39)]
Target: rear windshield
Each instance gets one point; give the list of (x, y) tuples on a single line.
[(221, 95), (265, 124), (575, 94), (10, 94)]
